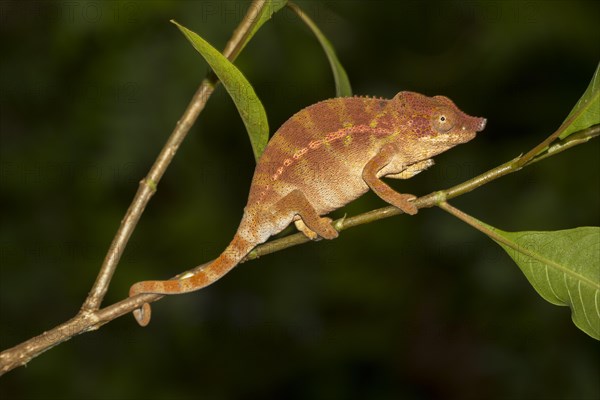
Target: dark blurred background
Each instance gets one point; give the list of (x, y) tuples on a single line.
[(417, 307)]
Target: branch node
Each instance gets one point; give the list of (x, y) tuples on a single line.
[(440, 197), (150, 184), (252, 255), (339, 224)]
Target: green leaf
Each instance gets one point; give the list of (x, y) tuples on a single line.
[(249, 106), (587, 110), (342, 83), (564, 268)]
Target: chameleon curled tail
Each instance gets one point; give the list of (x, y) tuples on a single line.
[(231, 256)]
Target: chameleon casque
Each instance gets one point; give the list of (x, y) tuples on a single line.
[(322, 158)]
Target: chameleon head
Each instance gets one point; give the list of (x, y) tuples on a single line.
[(436, 121)]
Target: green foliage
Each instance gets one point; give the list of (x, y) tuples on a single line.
[(587, 110), (563, 266), (249, 106)]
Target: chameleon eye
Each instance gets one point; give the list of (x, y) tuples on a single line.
[(443, 121)]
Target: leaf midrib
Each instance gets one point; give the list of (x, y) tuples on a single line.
[(548, 262)]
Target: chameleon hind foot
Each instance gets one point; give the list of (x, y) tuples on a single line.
[(312, 224), (312, 235)]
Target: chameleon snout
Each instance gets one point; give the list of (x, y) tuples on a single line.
[(480, 124)]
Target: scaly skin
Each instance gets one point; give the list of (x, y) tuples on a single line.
[(322, 158)]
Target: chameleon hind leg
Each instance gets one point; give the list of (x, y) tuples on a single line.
[(306, 218)]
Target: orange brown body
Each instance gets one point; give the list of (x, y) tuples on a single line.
[(322, 158)]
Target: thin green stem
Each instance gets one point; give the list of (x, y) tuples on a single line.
[(471, 221), (573, 140)]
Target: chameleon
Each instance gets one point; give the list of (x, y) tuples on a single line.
[(322, 158)]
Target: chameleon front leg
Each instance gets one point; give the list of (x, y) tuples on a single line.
[(309, 222), (386, 156)]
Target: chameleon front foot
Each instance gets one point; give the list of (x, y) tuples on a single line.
[(404, 202)]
